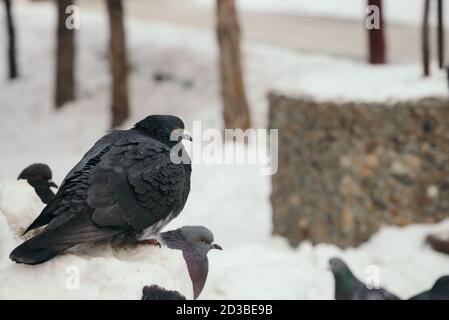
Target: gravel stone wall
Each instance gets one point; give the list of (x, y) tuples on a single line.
[(347, 169)]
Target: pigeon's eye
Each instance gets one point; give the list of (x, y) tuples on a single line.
[(202, 240)]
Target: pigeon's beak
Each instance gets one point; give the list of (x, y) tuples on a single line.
[(52, 184), (216, 246)]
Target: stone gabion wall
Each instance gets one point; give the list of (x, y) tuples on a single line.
[(347, 169)]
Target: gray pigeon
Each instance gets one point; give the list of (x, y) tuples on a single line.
[(154, 292), (126, 188), (38, 175), (195, 243), (348, 287), (439, 291)]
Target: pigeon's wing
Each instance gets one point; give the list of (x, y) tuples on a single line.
[(71, 196), (136, 184), (95, 151)]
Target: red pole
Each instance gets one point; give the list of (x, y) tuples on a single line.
[(425, 39), (440, 35), (376, 38)]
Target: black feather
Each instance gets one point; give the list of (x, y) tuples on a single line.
[(28, 255), (154, 292)]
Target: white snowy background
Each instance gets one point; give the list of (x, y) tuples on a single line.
[(231, 200), (408, 12)]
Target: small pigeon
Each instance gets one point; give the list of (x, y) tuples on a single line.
[(348, 287), (38, 175), (439, 291), (194, 242), (125, 189), (154, 292)]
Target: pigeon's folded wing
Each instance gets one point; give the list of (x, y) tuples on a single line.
[(137, 184), (71, 197), (70, 200)]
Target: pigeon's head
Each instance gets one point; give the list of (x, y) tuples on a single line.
[(195, 242), (37, 174), (154, 292), (344, 279), (165, 128), (441, 285), (337, 266), (200, 238)]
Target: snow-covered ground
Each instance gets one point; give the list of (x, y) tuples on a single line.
[(232, 200), (396, 11)]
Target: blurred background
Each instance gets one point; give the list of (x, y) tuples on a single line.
[(359, 95)]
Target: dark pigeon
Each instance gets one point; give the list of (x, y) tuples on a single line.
[(195, 242), (38, 175), (124, 189), (348, 287), (439, 291), (154, 292)]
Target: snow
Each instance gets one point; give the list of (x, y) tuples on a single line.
[(231, 200), (408, 12)]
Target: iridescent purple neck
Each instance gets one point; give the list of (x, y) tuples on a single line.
[(198, 267), (196, 260)]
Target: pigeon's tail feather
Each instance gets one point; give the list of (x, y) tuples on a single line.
[(45, 217), (50, 242), (154, 292), (36, 224), (29, 255)]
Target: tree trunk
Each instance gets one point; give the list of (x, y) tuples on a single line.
[(13, 73), (440, 35), (425, 39), (376, 38), (235, 106), (118, 61), (65, 57)]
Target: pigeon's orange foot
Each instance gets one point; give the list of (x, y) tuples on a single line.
[(152, 242)]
